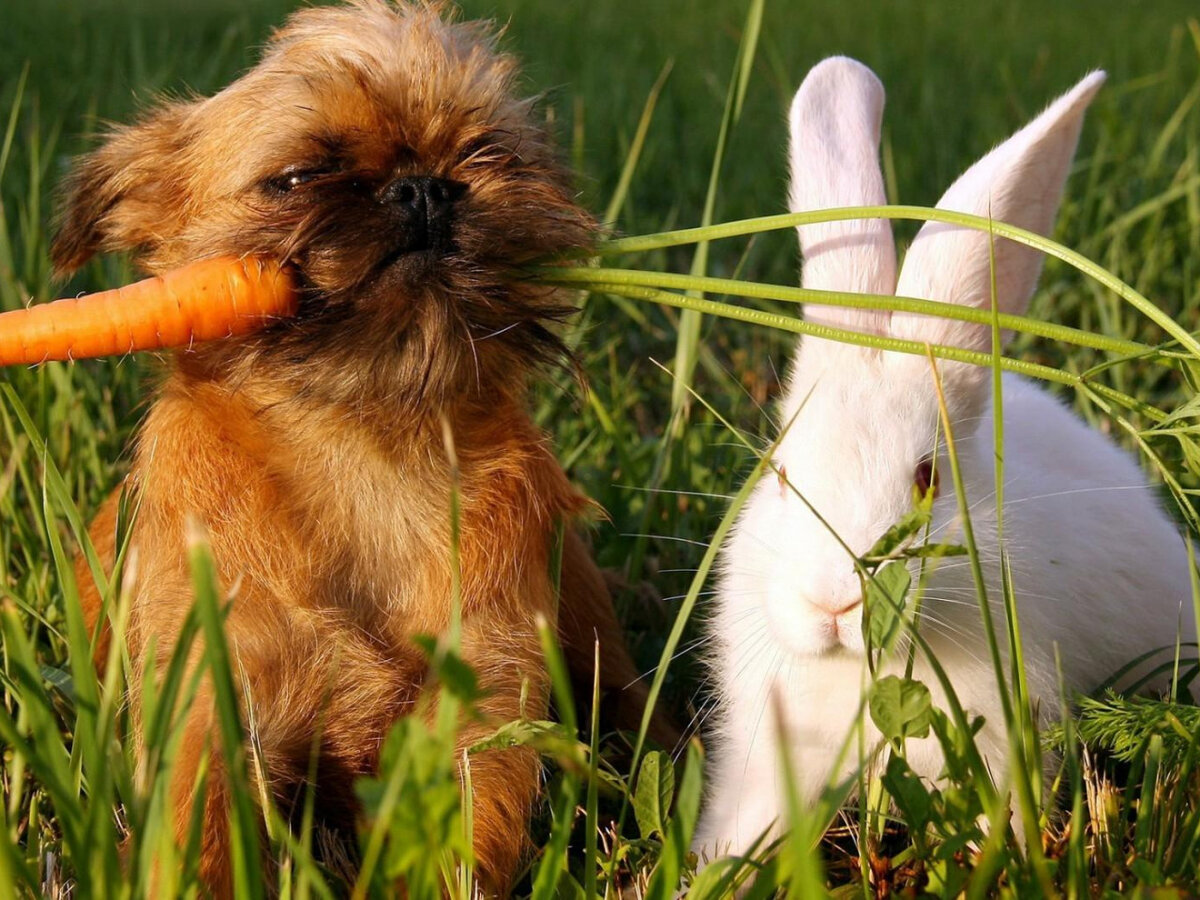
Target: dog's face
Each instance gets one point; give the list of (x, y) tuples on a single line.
[(379, 149)]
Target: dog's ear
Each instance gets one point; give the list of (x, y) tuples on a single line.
[(124, 195)]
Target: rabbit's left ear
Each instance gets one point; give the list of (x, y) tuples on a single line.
[(1019, 183), (835, 127)]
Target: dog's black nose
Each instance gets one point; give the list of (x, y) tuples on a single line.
[(425, 207)]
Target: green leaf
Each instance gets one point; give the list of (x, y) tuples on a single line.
[(459, 678), (956, 744), (717, 879), (664, 882), (415, 809), (909, 792), (900, 707), (1189, 410), (909, 526), (652, 797), (450, 669), (550, 739), (947, 877), (885, 595)]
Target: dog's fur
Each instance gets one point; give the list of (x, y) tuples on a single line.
[(313, 453)]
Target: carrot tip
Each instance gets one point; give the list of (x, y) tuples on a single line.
[(206, 300)]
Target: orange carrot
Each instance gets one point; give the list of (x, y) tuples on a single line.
[(203, 301)]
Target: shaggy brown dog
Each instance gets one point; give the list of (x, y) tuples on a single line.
[(379, 150)]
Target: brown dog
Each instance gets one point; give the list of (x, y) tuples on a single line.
[(378, 149)]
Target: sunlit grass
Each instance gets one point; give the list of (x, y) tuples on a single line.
[(1114, 326)]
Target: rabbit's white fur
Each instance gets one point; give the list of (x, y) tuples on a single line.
[(1099, 569)]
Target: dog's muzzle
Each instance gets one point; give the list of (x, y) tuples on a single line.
[(423, 208)]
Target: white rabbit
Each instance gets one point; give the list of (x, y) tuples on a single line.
[(1098, 568)]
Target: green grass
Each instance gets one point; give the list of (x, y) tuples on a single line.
[(960, 77)]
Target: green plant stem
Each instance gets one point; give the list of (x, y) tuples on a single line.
[(879, 342), (919, 213), (589, 277)]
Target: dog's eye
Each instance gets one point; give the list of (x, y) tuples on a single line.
[(298, 178), (287, 181), (925, 479)]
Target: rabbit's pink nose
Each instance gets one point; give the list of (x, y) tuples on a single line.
[(836, 606)]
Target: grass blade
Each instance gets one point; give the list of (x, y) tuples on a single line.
[(245, 821)]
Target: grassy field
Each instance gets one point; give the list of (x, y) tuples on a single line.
[(960, 77)]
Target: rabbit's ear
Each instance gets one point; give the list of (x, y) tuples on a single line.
[(1018, 183), (835, 122)]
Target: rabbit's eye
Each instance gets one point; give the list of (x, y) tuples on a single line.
[(925, 479)]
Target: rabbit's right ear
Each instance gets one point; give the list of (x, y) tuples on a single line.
[(835, 123), (1019, 183)]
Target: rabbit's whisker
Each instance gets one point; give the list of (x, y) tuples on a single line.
[(1075, 491), (667, 537), (677, 493)]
